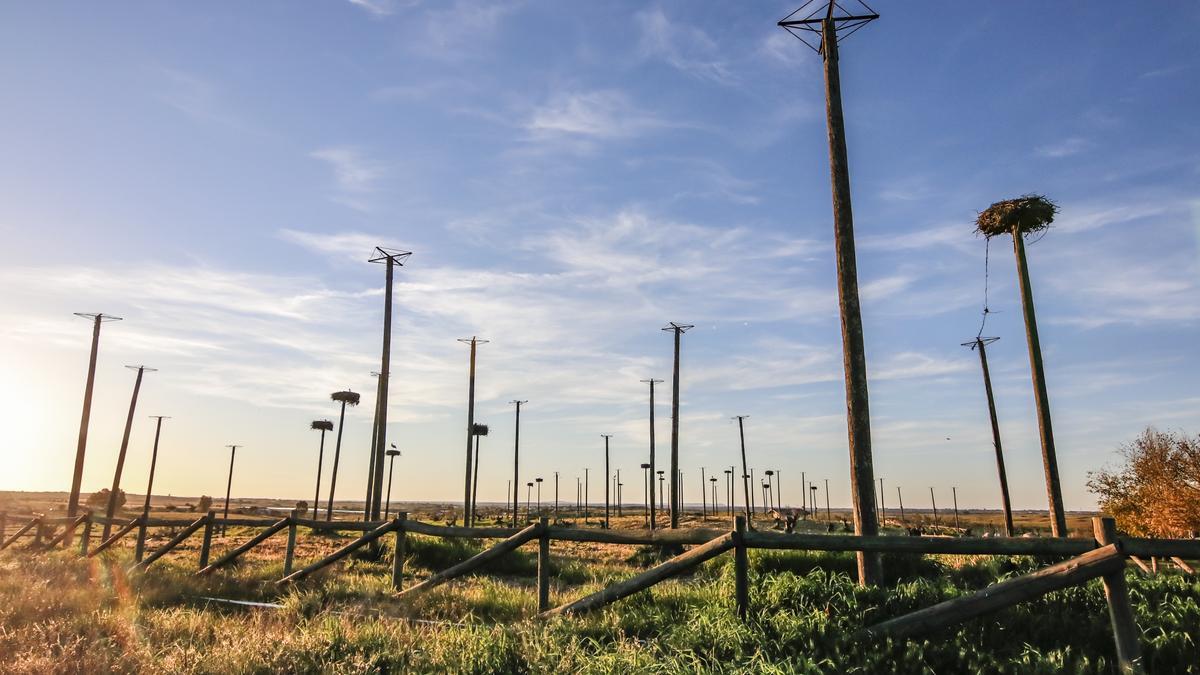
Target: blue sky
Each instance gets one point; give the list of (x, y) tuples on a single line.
[(570, 177)]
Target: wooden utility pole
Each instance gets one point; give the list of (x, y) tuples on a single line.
[(981, 343), (111, 510), (392, 259), (745, 472), (1058, 518), (954, 494), (900, 498), (517, 462), (653, 467), (870, 570), (323, 425), (676, 488), (88, 388), (346, 397), (473, 342), (153, 462), (607, 479), (228, 487)]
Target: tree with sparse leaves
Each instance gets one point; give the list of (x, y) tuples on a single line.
[(1156, 490)]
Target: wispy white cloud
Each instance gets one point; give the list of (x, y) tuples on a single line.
[(452, 32), (577, 120), (1064, 148), (685, 48), (355, 175), (198, 98), (378, 8)]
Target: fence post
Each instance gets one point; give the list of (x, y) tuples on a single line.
[(741, 568), (206, 546), (85, 539), (543, 565), (399, 553), (3, 524), (1120, 613), (140, 549), (290, 556), (39, 532)]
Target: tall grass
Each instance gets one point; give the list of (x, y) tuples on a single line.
[(62, 614)]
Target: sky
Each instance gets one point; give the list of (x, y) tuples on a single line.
[(569, 178)]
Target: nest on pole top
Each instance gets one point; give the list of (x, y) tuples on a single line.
[(323, 425), (347, 396), (1026, 214)]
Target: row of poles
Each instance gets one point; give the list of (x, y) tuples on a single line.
[(823, 24)]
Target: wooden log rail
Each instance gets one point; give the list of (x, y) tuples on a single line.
[(237, 552), (125, 529), (68, 530), (24, 528), (342, 552), (646, 579), (177, 540), (478, 560), (1077, 570)]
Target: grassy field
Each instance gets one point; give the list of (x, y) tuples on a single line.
[(62, 614)]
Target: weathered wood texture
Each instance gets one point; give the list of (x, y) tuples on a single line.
[(1077, 570), (342, 552), (646, 579), (175, 541), (475, 562), (1120, 612), (24, 528), (237, 552), (289, 556), (125, 529), (741, 569), (68, 530), (543, 566), (401, 550), (892, 544)]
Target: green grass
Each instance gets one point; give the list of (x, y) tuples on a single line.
[(62, 614)]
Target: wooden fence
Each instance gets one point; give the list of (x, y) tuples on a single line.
[(1103, 556)]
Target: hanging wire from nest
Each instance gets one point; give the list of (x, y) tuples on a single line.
[(1024, 215)]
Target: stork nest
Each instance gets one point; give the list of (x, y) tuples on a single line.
[(345, 396), (323, 425), (1025, 214), (479, 429)]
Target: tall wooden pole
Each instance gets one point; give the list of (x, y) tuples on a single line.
[(153, 464), (317, 493), (516, 462), (954, 494), (870, 570), (675, 487), (337, 455), (81, 446), (607, 480), (474, 487), (933, 501), (371, 461), (387, 505), (991, 401), (745, 471), (1058, 519), (470, 430), (385, 370), (653, 465), (228, 489), (116, 484)]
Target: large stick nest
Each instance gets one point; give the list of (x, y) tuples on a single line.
[(479, 429), (1027, 214), (323, 425), (346, 396)]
